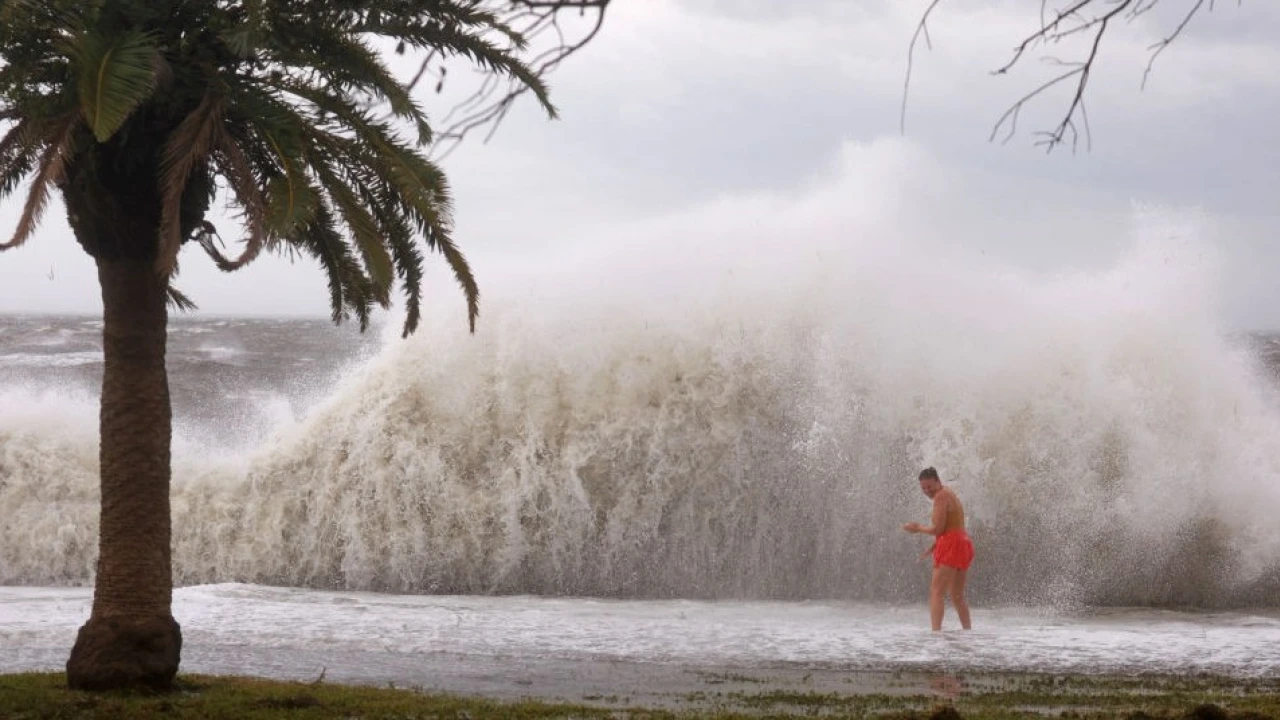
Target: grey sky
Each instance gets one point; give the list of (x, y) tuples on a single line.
[(681, 104)]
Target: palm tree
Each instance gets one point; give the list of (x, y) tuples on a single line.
[(142, 113)]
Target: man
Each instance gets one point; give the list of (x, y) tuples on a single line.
[(952, 550)]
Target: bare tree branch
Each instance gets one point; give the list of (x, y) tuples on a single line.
[(1160, 46), (1049, 31), (538, 22), (1142, 8), (922, 30), (1083, 71), (1078, 17)]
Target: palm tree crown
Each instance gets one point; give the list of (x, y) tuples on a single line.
[(272, 101)]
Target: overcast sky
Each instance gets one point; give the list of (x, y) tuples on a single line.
[(683, 105)]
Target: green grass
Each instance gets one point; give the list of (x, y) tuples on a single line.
[(41, 696), (45, 696)]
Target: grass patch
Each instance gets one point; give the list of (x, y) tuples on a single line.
[(45, 696)]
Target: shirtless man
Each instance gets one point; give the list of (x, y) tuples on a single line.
[(952, 550)]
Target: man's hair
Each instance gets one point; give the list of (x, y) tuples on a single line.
[(929, 474)]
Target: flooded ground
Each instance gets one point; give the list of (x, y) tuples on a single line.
[(649, 652)]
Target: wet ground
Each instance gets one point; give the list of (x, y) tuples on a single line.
[(651, 653)]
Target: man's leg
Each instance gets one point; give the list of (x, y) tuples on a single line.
[(942, 577), (957, 597)]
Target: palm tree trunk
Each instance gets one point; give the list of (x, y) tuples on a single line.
[(131, 637)]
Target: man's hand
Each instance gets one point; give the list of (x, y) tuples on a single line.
[(912, 527), (926, 554)]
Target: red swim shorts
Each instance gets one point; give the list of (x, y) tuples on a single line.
[(953, 549)]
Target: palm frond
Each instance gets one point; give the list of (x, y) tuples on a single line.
[(18, 150), (244, 38), (421, 185), (114, 77), (15, 171), (280, 132), (408, 260), (398, 232), (236, 168), (450, 39), (52, 168), (290, 200), (346, 64), (188, 145), (421, 193), (364, 229), (64, 13), (179, 300), (357, 120), (461, 272), (349, 289)]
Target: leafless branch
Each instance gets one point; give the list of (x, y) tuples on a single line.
[(922, 30), (541, 24), (1083, 71), (1049, 31), (1142, 8), (1160, 46), (1078, 17)]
